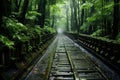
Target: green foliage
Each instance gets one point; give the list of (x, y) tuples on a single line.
[(84, 28), (96, 13), (37, 30), (13, 26), (86, 5), (95, 17), (32, 15), (15, 30), (49, 29), (98, 5), (30, 48), (55, 9), (34, 32), (5, 41), (107, 9), (20, 33), (21, 37), (97, 33)]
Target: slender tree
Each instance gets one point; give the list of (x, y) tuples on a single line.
[(5, 10), (1, 14), (79, 17), (82, 14), (42, 10), (67, 18), (72, 16), (24, 11), (115, 19), (75, 14)]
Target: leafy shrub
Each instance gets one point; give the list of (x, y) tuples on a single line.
[(97, 33), (34, 31), (5, 41), (84, 28), (49, 29), (32, 15), (14, 29), (16, 32)]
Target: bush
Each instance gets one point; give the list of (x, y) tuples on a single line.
[(5, 41), (32, 16), (84, 28), (97, 33), (15, 30), (33, 32), (49, 29)]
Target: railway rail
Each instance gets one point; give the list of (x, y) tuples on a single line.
[(68, 62)]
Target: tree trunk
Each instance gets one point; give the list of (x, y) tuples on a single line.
[(72, 17), (16, 7), (42, 10), (115, 19), (5, 10), (75, 15), (24, 11), (47, 17), (6, 7), (53, 21), (79, 17), (82, 14), (19, 4), (67, 19), (1, 14)]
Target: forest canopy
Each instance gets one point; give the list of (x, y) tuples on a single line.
[(98, 18)]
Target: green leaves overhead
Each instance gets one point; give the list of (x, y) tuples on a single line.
[(95, 17), (86, 5), (32, 15), (55, 9), (107, 9), (53, 2)]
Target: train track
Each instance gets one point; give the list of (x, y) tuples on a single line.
[(68, 62)]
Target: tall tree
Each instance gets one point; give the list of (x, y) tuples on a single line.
[(82, 14), (24, 11), (42, 10), (5, 10), (75, 14), (1, 13), (115, 19), (67, 18), (47, 12), (78, 12)]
